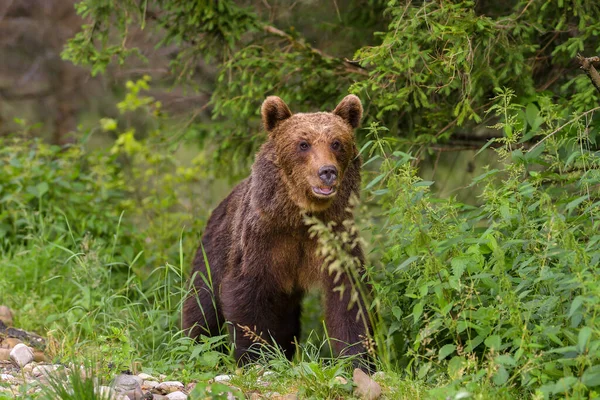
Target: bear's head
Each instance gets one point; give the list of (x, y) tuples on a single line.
[(313, 151)]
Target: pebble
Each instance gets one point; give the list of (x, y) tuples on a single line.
[(150, 384), (44, 370), (169, 387), (222, 378), (10, 342), (21, 355), (7, 378), (177, 396), (146, 377), (366, 388), (128, 385), (6, 315), (4, 354), (105, 392)]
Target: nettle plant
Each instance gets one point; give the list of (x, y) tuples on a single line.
[(503, 293)]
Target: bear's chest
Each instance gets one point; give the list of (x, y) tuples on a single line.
[(294, 262)]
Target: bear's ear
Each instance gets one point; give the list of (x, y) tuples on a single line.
[(350, 109), (273, 111)]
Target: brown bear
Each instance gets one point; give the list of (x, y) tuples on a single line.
[(260, 255)]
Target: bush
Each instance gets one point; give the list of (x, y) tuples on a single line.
[(503, 293)]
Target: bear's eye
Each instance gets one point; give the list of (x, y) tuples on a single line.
[(304, 145), (336, 145)]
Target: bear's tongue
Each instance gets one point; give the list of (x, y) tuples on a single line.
[(326, 189)]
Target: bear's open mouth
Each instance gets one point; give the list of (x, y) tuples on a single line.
[(325, 191)]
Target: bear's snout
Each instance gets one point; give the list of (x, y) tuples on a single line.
[(328, 174)]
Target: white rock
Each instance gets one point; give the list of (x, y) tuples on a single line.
[(177, 396), (222, 378), (21, 355), (146, 377), (379, 375), (45, 370), (105, 392), (7, 378)]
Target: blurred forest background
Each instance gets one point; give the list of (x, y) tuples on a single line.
[(124, 123)]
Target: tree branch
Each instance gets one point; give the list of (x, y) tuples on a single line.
[(587, 64), (349, 66)]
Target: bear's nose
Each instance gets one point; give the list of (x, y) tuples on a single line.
[(328, 174)]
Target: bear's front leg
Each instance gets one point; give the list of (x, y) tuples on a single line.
[(348, 324), (259, 313)]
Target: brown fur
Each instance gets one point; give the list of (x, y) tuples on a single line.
[(261, 257)]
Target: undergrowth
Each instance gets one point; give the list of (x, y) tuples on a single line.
[(497, 300)]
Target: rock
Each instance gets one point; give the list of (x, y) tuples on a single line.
[(169, 387), (105, 392), (159, 397), (150, 384), (366, 388), (146, 377), (177, 396), (277, 396), (7, 378), (6, 315), (4, 354), (129, 386), (10, 342), (222, 378), (379, 375), (45, 370), (341, 380), (38, 356), (21, 355)]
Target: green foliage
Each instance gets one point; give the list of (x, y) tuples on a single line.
[(503, 294), (96, 243), (72, 385), (424, 69), (496, 299)]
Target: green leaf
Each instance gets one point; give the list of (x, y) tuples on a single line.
[(576, 202), (483, 176), (493, 342), (445, 351), (423, 183), (585, 334), (375, 181), (591, 376), (577, 302), (42, 188), (564, 384), (506, 359), (501, 376), (406, 263), (417, 311)]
